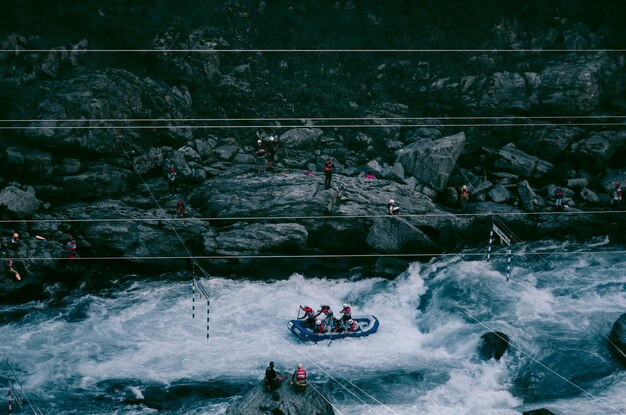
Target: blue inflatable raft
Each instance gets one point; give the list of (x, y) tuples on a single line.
[(367, 324)]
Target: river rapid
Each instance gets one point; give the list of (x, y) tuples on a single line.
[(132, 347)]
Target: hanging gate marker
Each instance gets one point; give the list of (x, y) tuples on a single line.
[(193, 298), (205, 293), (9, 401), (503, 239)]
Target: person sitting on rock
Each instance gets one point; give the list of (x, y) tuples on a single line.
[(299, 377), (15, 240), (71, 248), (464, 197), (393, 208), (617, 195), (272, 380)]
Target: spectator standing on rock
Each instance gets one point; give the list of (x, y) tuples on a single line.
[(464, 197), (393, 208), (328, 173), (271, 148), (617, 195), (171, 179), (272, 380), (180, 208), (558, 197), (72, 248), (261, 156)]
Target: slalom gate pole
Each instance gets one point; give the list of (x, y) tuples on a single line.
[(490, 243), (193, 298), (208, 303), (508, 264), (9, 401)]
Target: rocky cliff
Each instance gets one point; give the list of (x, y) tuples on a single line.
[(88, 137)]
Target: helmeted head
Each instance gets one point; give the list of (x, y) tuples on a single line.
[(271, 364), (464, 187), (350, 321), (271, 138), (391, 201), (299, 365), (317, 322), (345, 305), (259, 141), (16, 235)]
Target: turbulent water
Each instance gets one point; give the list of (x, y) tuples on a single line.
[(133, 348)]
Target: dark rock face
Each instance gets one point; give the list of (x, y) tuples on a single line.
[(541, 411), (99, 131), (494, 345), (284, 401), (617, 338)]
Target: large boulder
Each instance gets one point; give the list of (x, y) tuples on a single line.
[(17, 203), (393, 234), (529, 200), (284, 401), (617, 338), (300, 138), (431, 162), (517, 162), (255, 238), (596, 150), (494, 345), (540, 411)]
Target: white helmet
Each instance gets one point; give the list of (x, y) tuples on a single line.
[(259, 142), (345, 305), (391, 201), (350, 321), (299, 365), (271, 138), (317, 322), (322, 316)]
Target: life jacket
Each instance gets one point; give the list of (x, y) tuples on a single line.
[(354, 326), (558, 193), (464, 194), (260, 152), (321, 328), (328, 167), (300, 375), (71, 246), (270, 374), (347, 313), (617, 194)]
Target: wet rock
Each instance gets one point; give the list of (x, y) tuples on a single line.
[(395, 172), (152, 159), (374, 167), (517, 162), (577, 183), (395, 235), (529, 199), (589, 196), (540, 411), (500, 194), (390, 267), (284, 401), (300, 138), (505, 91), (431, 162), (571, 88), (494, 345), (255, 238), (617, 338), (18, 203), (97, 181), (226, 152)]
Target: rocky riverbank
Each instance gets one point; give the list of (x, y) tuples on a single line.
[(97, 137)]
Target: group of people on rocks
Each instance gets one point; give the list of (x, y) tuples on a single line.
[(272, 379), (265, 153), (324, 320)]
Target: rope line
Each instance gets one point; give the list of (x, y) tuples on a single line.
[(215, 51), (333, 217), (319, 256), (505, 117), (299, 126), (608, 405)]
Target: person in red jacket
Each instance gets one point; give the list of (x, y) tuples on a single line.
[(347, 313), (299, 377), (617, 195), (353, 326), (320, 326), (464, 196), (328, 173), (308, 317)]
